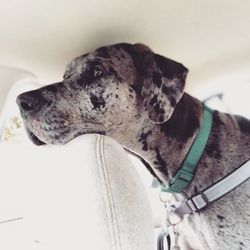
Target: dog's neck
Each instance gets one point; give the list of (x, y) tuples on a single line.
[(165, 146)]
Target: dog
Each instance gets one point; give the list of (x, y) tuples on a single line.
[(137, 97)]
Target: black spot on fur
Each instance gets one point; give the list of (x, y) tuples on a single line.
[(168, 90), (221, 226), (157, 79), (158, 109), (118, 77), (220, 217), (165, 89), (51, 88), (143, 140), (137, 87), (244, 124), (172, 101), (85, 79), (103, 52), (144, 136), (169, 68), (161, 164), (97, 102), (195, 189), (101, 132), (183, 122), (161, 118), (135, 56), (213, 145), (153, 100)]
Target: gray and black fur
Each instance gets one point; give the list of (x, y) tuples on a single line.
[(137, 97)]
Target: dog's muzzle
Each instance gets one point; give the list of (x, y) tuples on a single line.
[(31, 101)]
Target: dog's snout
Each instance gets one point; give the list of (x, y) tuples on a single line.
[(35, 99), (29, 101)]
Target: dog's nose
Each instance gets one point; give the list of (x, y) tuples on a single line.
[(29, 101)]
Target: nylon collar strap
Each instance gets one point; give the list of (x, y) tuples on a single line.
[(186, 173)]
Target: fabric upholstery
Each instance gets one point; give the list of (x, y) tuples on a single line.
[(83, 195)]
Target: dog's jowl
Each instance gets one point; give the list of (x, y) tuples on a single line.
[(137, 97)]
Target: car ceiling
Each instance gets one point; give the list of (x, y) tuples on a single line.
[(208, 37)]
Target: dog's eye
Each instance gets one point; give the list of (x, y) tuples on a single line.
[(97, 72)]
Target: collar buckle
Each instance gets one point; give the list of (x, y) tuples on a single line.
[(180, 181), (192, 205), (198, 202)]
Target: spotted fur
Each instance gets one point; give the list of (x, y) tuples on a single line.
[(137, 97)]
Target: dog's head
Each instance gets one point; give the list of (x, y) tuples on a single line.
[(103, 91)]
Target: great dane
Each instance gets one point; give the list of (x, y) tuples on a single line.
[(137, 97)]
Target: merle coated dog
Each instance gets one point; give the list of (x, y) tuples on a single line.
[(137, 97)]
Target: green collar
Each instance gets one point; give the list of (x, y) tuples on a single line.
[(187, 171)]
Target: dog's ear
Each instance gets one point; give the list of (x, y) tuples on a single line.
[(163, 84), (142, 48)]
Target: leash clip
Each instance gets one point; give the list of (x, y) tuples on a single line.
[(169, 227), (173, 218)]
